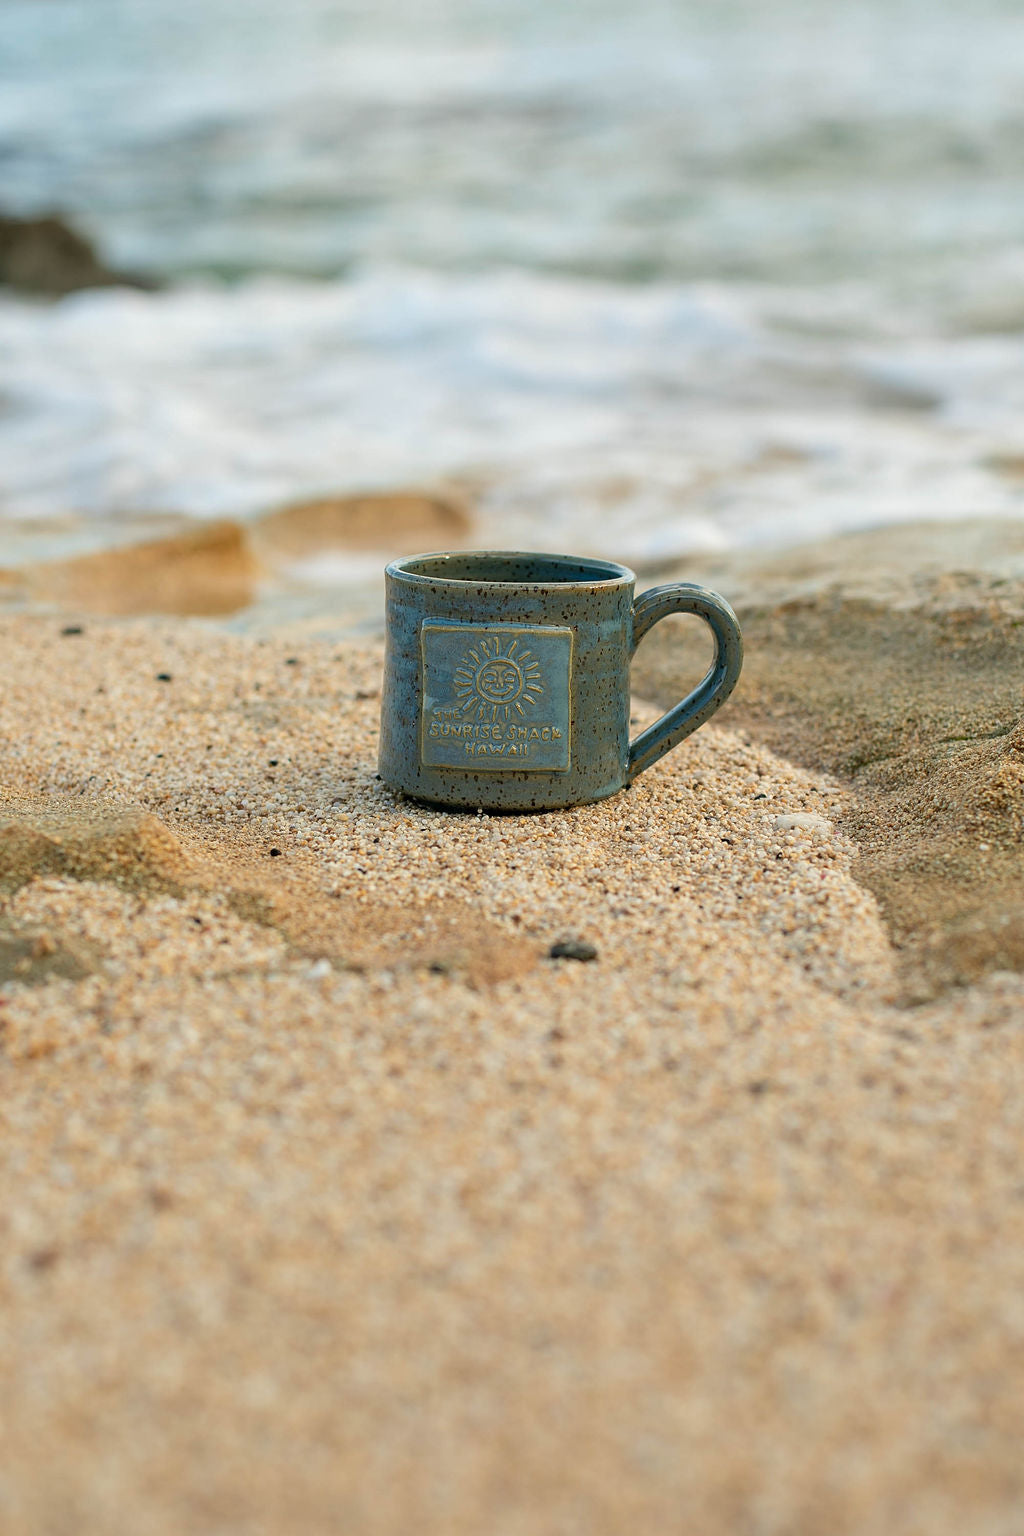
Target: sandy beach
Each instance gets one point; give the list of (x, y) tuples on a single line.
[(650, 1168), (333, 1202)]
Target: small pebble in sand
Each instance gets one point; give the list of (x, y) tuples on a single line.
[(573, 949)]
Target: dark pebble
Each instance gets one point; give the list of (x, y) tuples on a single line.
[(43, 1258), (275, 853), (573, 949), (72, 629), (164, 677)]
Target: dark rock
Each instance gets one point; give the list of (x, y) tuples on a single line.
[(46, 256), (573, 949)]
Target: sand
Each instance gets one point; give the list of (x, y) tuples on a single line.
[(331, 1202), (895, 659)]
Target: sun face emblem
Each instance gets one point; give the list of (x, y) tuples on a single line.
[(497, 684)]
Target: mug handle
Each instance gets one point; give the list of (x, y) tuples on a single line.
[(722, 677)]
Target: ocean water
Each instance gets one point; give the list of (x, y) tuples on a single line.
[(645, 279)]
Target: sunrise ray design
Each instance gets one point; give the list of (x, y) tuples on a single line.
[(495, 683)]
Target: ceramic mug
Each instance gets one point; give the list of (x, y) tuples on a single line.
[(506, 678)]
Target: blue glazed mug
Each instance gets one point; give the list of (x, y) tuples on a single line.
[(506, 678)]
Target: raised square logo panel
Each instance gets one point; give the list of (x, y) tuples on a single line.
[(496, 696)]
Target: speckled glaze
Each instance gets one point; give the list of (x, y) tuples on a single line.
[(506, 678)]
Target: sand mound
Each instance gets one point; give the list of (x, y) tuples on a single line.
[(217, 568), (395, 520), (208, 569), (88, 840), (942, 834)]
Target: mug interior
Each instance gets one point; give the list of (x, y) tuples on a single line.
[(512, 568)]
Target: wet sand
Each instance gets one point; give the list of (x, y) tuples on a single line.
[(333, 1202)]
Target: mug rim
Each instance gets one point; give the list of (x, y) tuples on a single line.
[(607, 573)]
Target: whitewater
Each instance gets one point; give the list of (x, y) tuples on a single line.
[(639, 283)]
